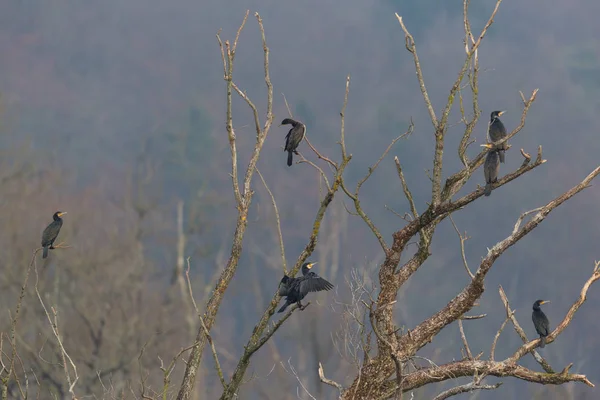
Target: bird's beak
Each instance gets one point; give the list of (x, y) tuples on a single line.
[(501, 113), (487, 146), (310, 265), (545, 302), (62, 213)]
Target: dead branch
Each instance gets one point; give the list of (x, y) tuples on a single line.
[(315, 166), (511, 314), (493, 349), (462, 239), (355, 196), (343, 121), (293, 370), (277, 220), (71, 381), (405, 189), (464, 339), (469, 387), (412, 48), (456, 181), (10, 371), (328, 381), (214, 353), (166, 370), (258, 337), (423, 333), (467, 368), (570, 314), (243, 200)]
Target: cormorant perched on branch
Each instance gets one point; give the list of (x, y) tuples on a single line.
[(491, 167), (293, 138), (497, 131), (51, 232), (540, 321), (297, 288)]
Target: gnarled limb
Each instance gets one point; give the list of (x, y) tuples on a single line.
[(375, 374)]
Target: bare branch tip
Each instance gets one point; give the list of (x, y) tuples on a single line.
[(566, 369)]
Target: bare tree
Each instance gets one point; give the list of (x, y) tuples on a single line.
[(389, 366), (96, 323)]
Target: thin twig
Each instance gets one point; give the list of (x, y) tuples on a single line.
[(328, 381), (464, 340), (343, 120), (214, 353), (410, 46), (463, 239), (299, 380), (405, 189), (63, 352), (243, 201), (469, 387), (493, 349), (280, 236)]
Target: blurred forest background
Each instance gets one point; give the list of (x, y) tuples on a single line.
[(114, 112)]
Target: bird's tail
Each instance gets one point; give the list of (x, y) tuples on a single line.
[(542, 341), (488, 189), (501, 154), (282, 309), (45, 252), (290, 158)]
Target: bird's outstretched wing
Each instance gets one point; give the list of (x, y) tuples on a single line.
[(312, 282), (284, 285)]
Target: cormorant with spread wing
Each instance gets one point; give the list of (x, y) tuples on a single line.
[(293, 138), (540, 321), (51, 232), (497, 131), (296, 289)]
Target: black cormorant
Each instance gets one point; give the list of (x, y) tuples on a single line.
[(540, 321), (293, 138), (491, 167), (51, 232), (497, 131), (295, 289)]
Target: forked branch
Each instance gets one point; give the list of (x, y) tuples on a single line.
[(260, 335), (243, 200)]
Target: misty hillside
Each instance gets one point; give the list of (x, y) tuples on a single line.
[(114, 111)]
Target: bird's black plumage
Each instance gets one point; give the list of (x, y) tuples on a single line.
[(293, 138), (491, 167), (497, 131), (51, 232), (296, 289), (540, 321)]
